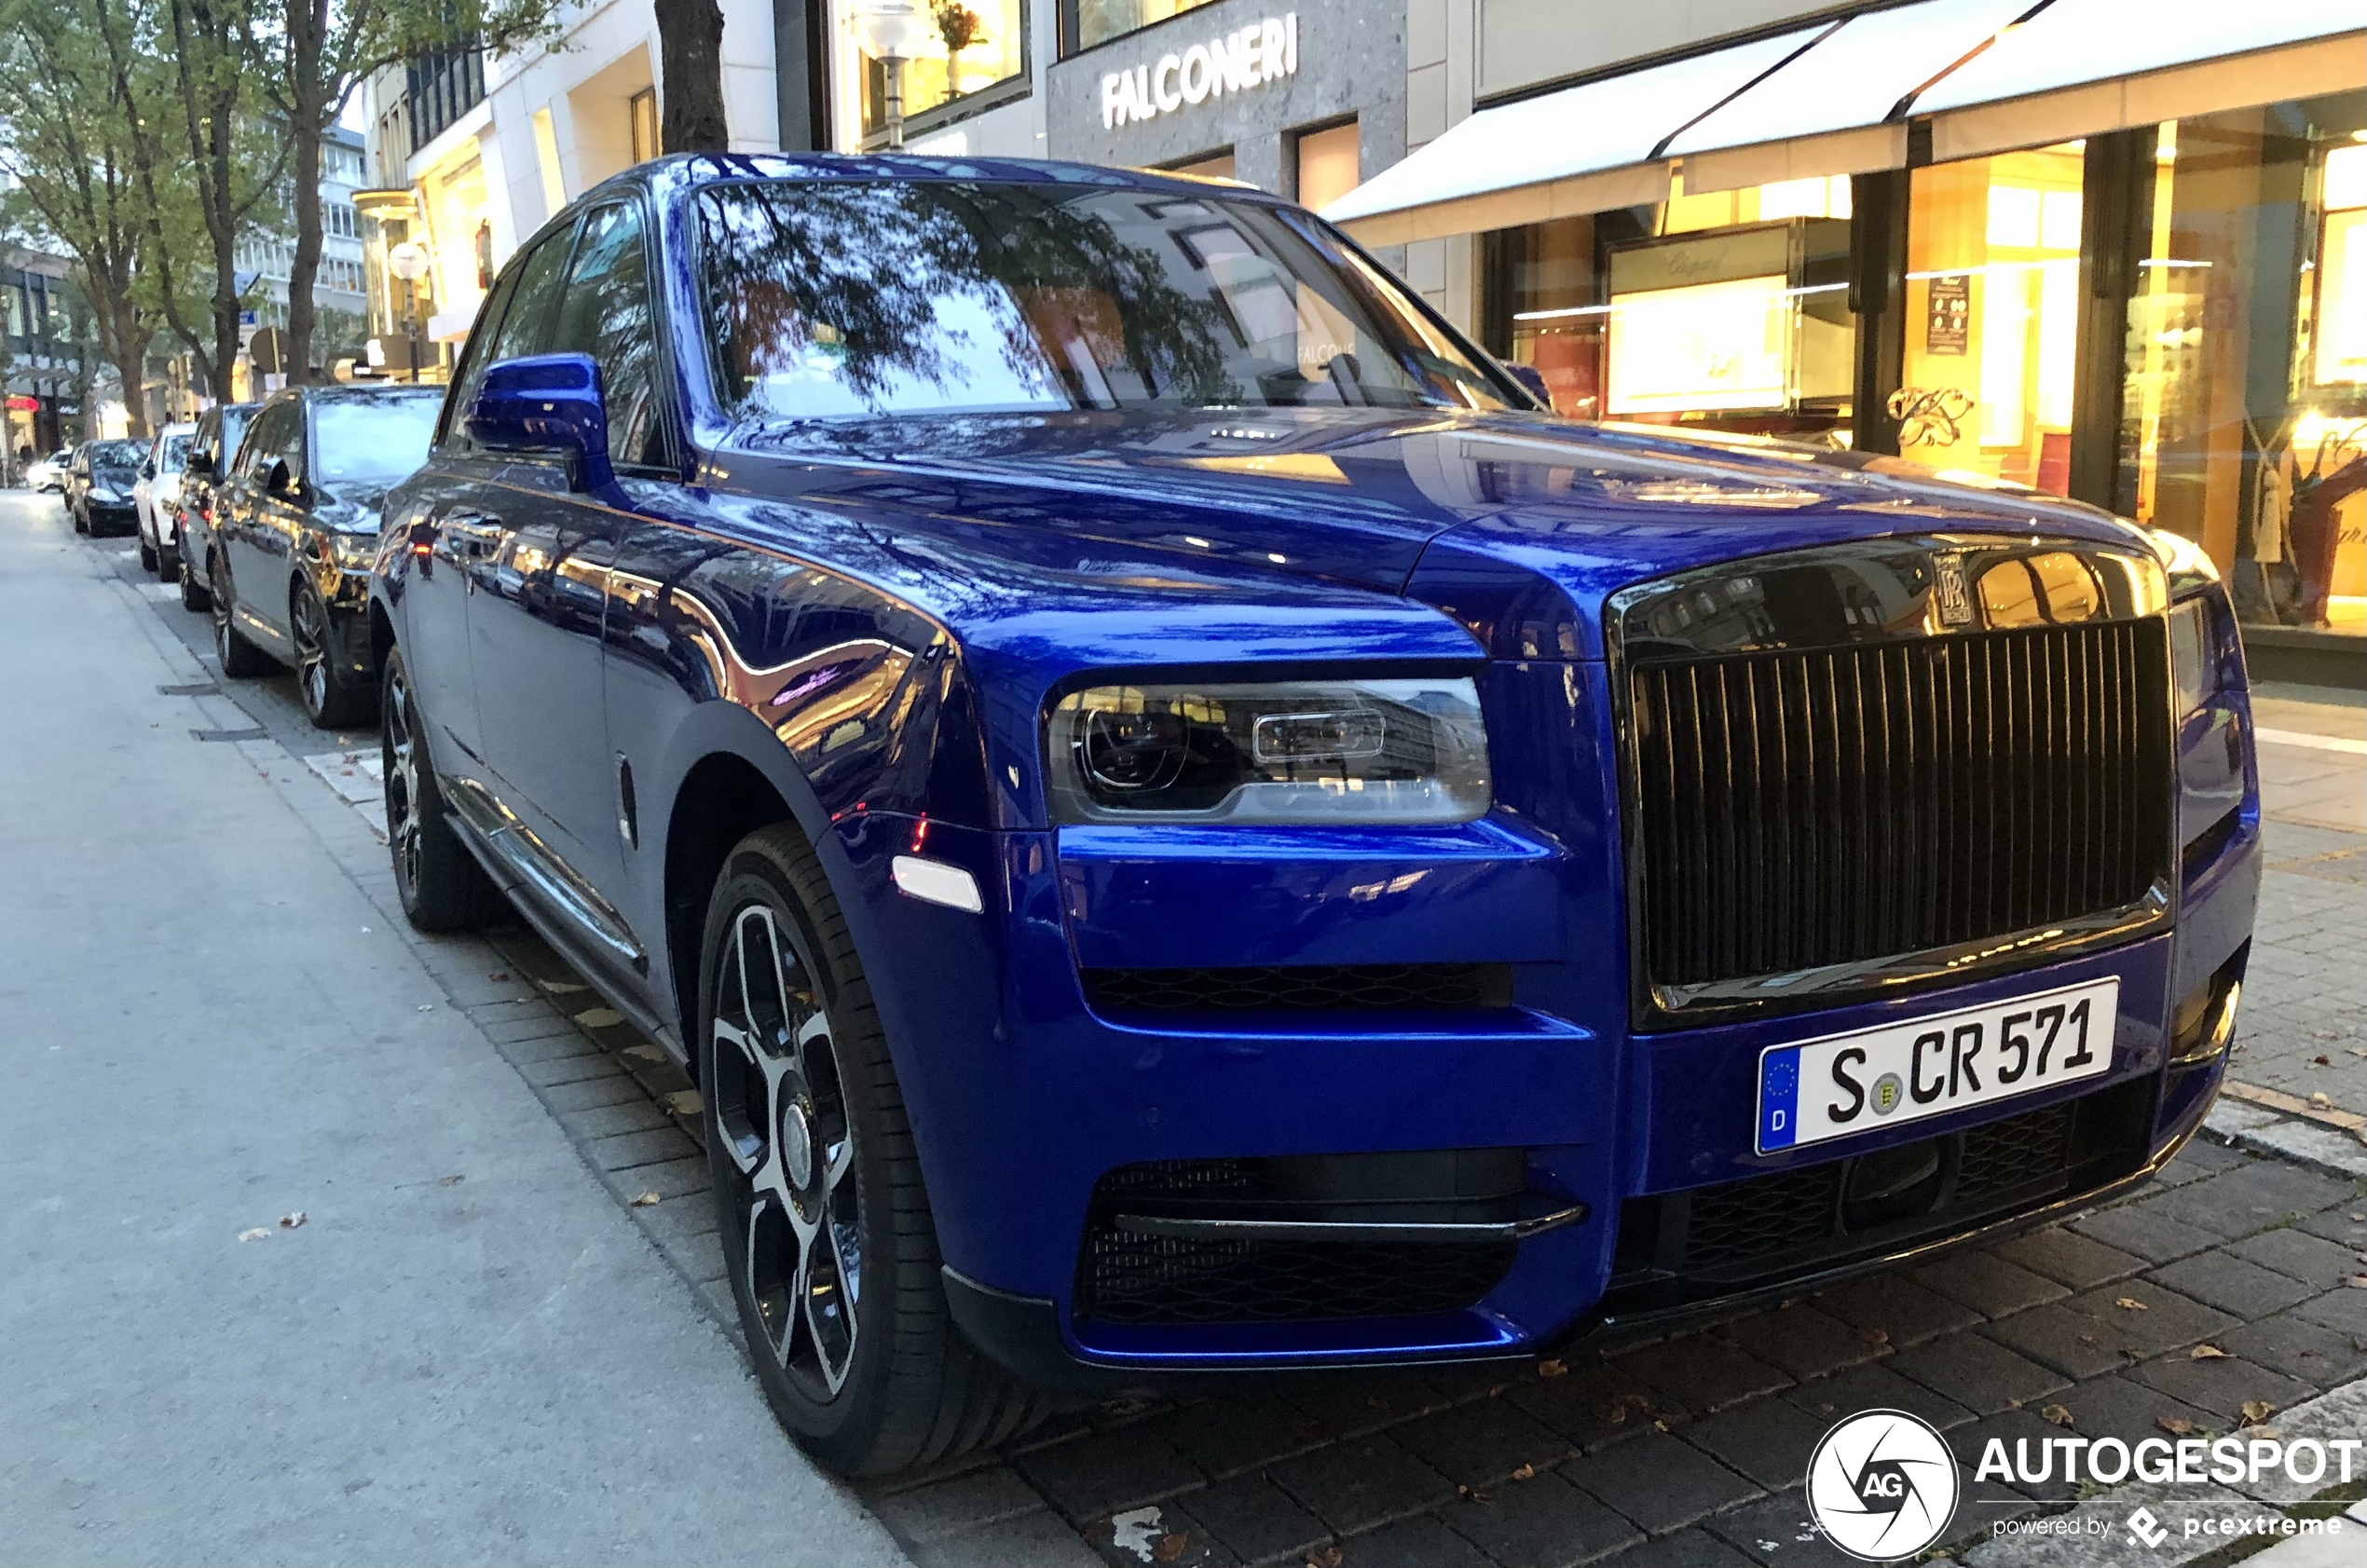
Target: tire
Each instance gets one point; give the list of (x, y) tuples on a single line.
[(798, 1057), (332, 699), (442, 886), (240, 659), (149, 558), (194, 595)]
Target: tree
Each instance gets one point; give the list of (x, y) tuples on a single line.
[(313, 54), (64, 145), (690, 65)]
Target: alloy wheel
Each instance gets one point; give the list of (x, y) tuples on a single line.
[(310, 626), (401, 772), (793, 1219)]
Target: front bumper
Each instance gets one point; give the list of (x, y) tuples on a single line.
[(1025, 1096)]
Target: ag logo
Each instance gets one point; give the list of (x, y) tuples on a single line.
[(1882, 1485)]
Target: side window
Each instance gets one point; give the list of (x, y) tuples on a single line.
[(605, 314), (474, 356), (534, 302), (258, 435), (278, 433)]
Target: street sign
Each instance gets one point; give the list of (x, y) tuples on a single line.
[(270, 350)]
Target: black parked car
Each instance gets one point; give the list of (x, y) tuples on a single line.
[(99, 485), (211, 450), (294, 526)]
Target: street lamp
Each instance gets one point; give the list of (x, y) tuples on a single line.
[(408, 261), (891, 32)]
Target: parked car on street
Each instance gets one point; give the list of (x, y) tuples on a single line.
[(49, 473), (158, 496), (99, 484), (1183, 825), (212, 447), (292, 531)]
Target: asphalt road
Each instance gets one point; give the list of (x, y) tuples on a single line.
[(294, 1266)]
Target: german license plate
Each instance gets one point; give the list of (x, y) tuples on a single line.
[(1880, 1077)]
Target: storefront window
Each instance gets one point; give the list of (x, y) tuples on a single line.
[(2244, 417), (1992, 316), (969, 48), (1100, 21), (1728, 309)]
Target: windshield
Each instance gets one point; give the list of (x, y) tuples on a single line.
[(371, 441), (843, 300), (118, 454), (175, 453)]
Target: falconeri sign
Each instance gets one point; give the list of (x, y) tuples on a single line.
[(1245, 58)]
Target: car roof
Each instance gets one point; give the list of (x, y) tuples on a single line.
[(690, 171)]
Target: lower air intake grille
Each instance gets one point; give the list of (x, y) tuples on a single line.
[(1371, 987), (1132, 1278)]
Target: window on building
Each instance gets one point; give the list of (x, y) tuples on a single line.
[(2244, 407), (1723, 308), (1992, 315), (641, 111), (1088, 22), (969, 48), (1216, 165), (1328, 169)]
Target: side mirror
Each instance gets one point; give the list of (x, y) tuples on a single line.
[(1530, 377), (147, 468), (548, 404), (283, 481)]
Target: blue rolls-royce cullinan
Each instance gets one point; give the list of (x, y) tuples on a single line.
[(1183, 824)]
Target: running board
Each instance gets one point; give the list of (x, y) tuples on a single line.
[(530, 864)]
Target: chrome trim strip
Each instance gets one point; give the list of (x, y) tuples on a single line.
[(534, 865), (1412, 1232)]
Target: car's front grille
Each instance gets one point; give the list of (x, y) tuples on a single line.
[(1368, 987), (1800, 810)]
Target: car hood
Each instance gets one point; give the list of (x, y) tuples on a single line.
[(1497, 519), (350, 506)]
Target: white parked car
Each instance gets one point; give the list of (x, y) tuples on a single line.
[(49, 473), (158, 501)]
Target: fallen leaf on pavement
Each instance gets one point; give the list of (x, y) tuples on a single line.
[(2321, 1059), (2256, 1412), (1527, 1472), (2205, 1353), (1550, 1368), (1873, 1336), (1324, 1556), (2357, 1281), (2058, 1414), (2132, 1303), (644, 1200), (451, 1180), (1471, 1493), (498, 975), (1171, 1546), (683, 1102), (2176, 1425), (290, 1222), (2088, 1339), (257, 1234)]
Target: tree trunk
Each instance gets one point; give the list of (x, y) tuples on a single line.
[(307, 22), (691, 34)]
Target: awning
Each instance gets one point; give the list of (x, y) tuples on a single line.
[(1835, 99), (1581, 150)]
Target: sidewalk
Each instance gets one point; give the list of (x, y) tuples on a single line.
[(298, 1270)]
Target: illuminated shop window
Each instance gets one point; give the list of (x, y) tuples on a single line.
[(1100, 21), (969, 48), (2244, 411), (1723, 308)]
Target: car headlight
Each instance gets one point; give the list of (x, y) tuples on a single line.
[(1369, 751), (354, 552)]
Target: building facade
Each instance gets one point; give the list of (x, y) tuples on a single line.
[(41, 354)]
